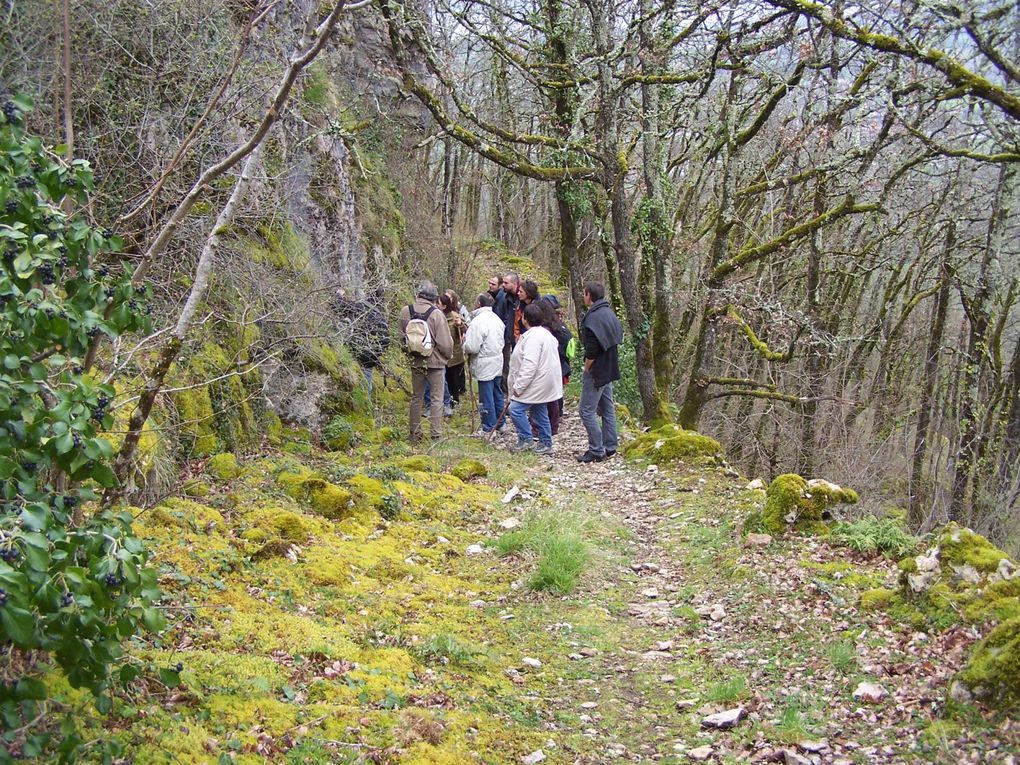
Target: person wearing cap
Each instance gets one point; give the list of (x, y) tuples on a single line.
[(431, 369)]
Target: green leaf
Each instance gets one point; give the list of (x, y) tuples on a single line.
[(11, 361), (170, 678), (35, 517), (18, 625), (30, 688), (153, 619), (7, 467), (128, 673), (104, 476)]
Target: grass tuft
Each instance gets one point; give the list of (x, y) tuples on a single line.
[(733, 689), (447, 649), (559, 542), (843, 657)]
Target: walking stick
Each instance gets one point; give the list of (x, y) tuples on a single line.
[(488, 436), (471, 395)]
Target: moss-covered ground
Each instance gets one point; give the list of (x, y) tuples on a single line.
[(389, 628)]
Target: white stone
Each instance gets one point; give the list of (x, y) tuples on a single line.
[(650, 593), (870, 693), (813, 746), (757, 483), (701, 754), (725, 719), (527, 661), (477, 603), (589, 705), (475, 550), (663, 645), (929, 562), (510, 523), (718, 613), (507, 499), (442, 540), (534, 758), (759, 540), (790, 757)]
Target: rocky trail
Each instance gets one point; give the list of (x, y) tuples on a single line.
[(722, 649)]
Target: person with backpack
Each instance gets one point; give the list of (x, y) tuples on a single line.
[(601, 335), (455, 382), (484, 347), (535, 380), (429, 346)]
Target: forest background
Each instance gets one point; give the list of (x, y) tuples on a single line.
[(806, 213)]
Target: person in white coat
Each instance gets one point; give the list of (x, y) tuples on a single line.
[(535, 380), (483, 345)]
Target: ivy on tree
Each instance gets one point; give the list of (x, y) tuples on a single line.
[(71, 587)]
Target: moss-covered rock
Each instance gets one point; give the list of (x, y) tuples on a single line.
[(878, 599), (960, 547), (277, 522), (420, 463), (790, 501), (223, 466), (339, 434), (196, 488), (330, 501), (670, 443), (368, 492), (467, 469), (273, 548), (993, 672)]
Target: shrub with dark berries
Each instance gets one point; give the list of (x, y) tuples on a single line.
[(48, 549)]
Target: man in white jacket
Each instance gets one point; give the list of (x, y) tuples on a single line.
[(535, 380), (483, 345)]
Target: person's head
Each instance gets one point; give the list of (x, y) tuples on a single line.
[(428, 291), (485, 300), (593, 292), (446, 303), (455, 304), (494, 283), (511, 282), (528, 291), (549, 304), (534, 315)]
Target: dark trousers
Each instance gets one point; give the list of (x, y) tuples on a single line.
[(455, 379)]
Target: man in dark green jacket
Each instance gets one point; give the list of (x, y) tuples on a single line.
[(601, 335)]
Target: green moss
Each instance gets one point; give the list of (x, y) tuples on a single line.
[(368, 492), (339, 434), (420, 463), (993, 671), (962, 547), (196, 488), (273, 548), (330, 501), (878, 599), (999, 601), (284, 523), (183, 513), (670, 443), (195, 421), (467, 469), (792, 500), (223, 466)]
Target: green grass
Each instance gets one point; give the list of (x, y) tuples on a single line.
[(843, 657), (884, 535), (790, 727), (558, 540), (732, 689), (444, 647)]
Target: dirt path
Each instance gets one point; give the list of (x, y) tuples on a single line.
[(694, 623)]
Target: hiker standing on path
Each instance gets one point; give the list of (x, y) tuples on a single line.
[(506, 310), (458, 327), (601, 335), (555, 324), (535, 380), (484, 346), (429, 346)]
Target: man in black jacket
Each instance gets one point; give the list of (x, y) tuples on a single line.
[(601, 335), (506, 310)]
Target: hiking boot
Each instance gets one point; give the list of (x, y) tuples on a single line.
[(543, 449), (522, 445), (610, 453), (447, 411), (589, 457)]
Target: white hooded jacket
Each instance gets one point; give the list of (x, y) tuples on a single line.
[(535, 375), (484, 344)]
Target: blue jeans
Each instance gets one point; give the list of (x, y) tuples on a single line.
[(447, 401), (490, 402), (539, 413), (598, 402)]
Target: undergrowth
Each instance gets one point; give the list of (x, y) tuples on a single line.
[(883, 535), (558, 540)]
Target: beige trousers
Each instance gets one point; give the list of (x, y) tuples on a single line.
[(418, 377)]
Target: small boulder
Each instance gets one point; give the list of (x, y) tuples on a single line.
[(723, 720), (700, 754), (534, 758), (759, 540), (869, 693)]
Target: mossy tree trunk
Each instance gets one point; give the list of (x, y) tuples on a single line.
[(916, 495)]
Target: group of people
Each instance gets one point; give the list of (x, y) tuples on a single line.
[(519, 351)]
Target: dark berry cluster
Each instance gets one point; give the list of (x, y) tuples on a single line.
[(108, 233), (10, 555), (25, 182), (11, 112), (70, 500), (45, 272), (3, 597), (99, 410), (71, 182), (66, 599), (76, 438), (93, 332), (11, 205), (112, 580), (102, 272)]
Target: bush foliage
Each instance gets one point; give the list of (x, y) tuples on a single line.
[(72, 585)]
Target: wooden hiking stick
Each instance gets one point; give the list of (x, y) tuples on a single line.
[(488, 436), (471, 394)]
